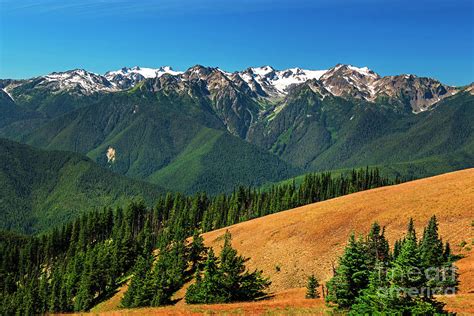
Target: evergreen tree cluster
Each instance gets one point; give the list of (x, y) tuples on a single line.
[(226, 279), (154, 282), (75, 266), (217, 280), (372, 280)]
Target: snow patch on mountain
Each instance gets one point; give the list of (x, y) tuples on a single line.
[(284, 79), (143, 71), (262, 71), (8, 94), (84, 81), (277, 82), (364, 71)]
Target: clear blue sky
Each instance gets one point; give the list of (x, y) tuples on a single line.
[(425, 37)]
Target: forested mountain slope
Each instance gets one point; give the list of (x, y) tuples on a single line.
[(173, 140), (333, 133), (40, 189)]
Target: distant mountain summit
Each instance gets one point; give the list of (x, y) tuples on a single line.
[(128, 77)]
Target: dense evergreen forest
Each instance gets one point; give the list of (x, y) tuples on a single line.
[(372, 280), (75, 266), (40, 189)]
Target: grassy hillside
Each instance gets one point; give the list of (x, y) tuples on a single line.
[(309, 238), (291, 245), (45, 188)]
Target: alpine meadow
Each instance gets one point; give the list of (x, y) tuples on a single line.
[(335, 179)]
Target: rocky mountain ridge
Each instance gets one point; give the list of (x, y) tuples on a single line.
[(259, 83)]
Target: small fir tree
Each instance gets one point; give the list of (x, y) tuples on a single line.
[(312, 287)]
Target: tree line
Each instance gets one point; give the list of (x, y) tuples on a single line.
[(77, 265)]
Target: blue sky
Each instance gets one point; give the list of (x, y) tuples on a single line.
[(426, 37)]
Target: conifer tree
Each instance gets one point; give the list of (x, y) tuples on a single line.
[(43, 295), (139, 293), (207, 289), (54, 304), (169, 272), (447, 253), (241, 285), (431, 245), (374, 298), (351, 276), (396, 248), (377, 244), (312, 287), (85, 295), (196, 251), (407, 268), (411, 232)]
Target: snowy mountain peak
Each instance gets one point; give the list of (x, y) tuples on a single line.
[(143, 71), (199, 72), (277, 82), (351, 81), (346, 81), (79, 80), (365, 71), (65, 74), (262, 71), (341, 69), (129, 77)]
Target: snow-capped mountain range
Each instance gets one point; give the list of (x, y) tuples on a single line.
[(345, 81), (274, 82), (128, 77)]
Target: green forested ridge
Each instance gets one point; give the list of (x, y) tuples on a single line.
[(217, 162), (371, 279), (161, 138), (334, 133), (89, 257), (40, 189), (33, 107)]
